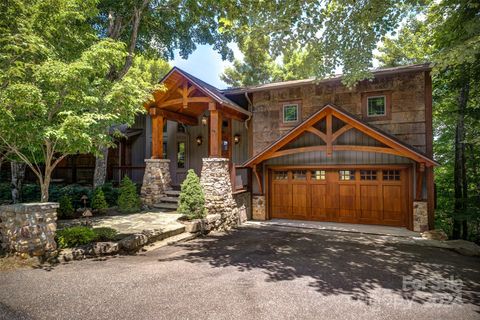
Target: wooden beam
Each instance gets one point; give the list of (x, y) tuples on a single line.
[(232, 114), (185, 95), (419, 189), (341, 131), (318, 133), (329, 134), (179, 117), (181, 101), (259, 179), (157, 136), (170, 91), (215, 134)]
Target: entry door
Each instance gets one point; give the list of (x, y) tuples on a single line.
[(181, 158)]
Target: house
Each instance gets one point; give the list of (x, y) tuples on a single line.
[(306, 149)]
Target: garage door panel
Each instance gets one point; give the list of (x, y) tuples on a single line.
[(370, 203), (281, 200), (347, 206), (318, 201), (393, 203), (300, 201)]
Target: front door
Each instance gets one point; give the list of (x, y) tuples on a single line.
[(181, 163)]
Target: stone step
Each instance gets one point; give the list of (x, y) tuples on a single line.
[(166, 206), (172, 193), (169, 199)]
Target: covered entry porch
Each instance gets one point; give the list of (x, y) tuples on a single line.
[(194, 126)]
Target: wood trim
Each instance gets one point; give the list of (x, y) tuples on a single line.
[(259, 180), (429, 149), (388, 105), (215, 134), (157, 136), (341, 166), (318, 133), (334, 148), (182, 100), (329, 134), (341, 131), (179, 117), (419, 185)]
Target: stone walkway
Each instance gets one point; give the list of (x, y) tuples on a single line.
[(131, 223)]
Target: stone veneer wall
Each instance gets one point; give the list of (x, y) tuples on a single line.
[(215, 181), (155, 181), (29, 228), (243, 203), (420, 216), (259, 208)]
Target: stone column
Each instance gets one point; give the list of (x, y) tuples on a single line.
[(420, 216), (155, 181), (215, 181), (29, 228)]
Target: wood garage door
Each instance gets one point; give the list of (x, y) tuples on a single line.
[(368, 196)]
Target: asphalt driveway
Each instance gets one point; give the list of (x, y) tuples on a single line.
[(254, 273)]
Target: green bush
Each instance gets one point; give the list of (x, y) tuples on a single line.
[(65, 209), (192, 199), (128, 200), (111, 194), (5, 192), (98, 201), (75, 236), (105, 234)]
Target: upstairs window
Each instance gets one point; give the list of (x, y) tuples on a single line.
[(290, 113), (377, 106)]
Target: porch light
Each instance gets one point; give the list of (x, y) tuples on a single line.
[(236, 138), (204, 120), (199, 140)]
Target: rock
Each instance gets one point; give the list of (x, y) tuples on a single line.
[(465, 248), (437, 234), (81, 252), (133, 242), (193, 226), (105, 248)]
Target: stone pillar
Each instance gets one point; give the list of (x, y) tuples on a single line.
[(258, 208), (420, 216), (215, 181), (29, 228), (155, 181)]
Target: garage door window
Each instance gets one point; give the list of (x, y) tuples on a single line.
[(318, 175), (280, 175), (347, 175), (368, 175), (391, 175), (300, 175)]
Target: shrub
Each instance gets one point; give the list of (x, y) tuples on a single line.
[(75, 236), (111, 194), (98, 201), (65, 209), (105, 234), (128, 200), (5, 192), (192, 199)]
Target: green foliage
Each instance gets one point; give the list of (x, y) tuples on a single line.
[(192, 199), (98, 201), (105, 234), (128, 200), (111, 194), (66, 209), (75, 236)]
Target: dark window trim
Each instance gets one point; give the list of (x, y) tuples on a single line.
[(388, 105), (285, 103)]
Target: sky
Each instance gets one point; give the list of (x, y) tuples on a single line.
[(206, 64)]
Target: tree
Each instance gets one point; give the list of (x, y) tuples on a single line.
[(128, 200), (55, 98), (191, 202)]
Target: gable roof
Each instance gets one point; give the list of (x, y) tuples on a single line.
[(389, 140), (207, 89)]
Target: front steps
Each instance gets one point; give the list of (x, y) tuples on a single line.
[(169, 202)]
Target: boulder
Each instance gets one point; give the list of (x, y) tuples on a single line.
[(465, 248), (437, 234), (105, 248), (133, 242)]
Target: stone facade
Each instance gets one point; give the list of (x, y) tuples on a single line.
[(155, 181), (29, 228), (420, 216), (243, 203), (407, 123), (215, 181), (258, 208)]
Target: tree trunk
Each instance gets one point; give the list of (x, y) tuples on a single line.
[(460, 179), (100, 169), (44, 186), (18, 175)]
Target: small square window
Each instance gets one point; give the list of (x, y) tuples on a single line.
[(368, 175), (377, 106), (290, 113), (347, 175), (318, 175), (391, 175), (280, 175), (300, 175)]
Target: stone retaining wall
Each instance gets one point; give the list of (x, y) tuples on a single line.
[(29, 228), (155, 181), (420, 216), (243, 203)]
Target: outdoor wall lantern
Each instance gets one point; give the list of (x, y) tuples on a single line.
[(199, 140), (236, 138), (204, 120)]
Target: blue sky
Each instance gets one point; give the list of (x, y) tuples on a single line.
[(205, 64)]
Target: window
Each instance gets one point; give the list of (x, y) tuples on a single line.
[(280, 175), (347, 175), (299, 175), (376, 106), (290, 113), (391, 175), (368, 175), (181, 155), (318, 175)]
